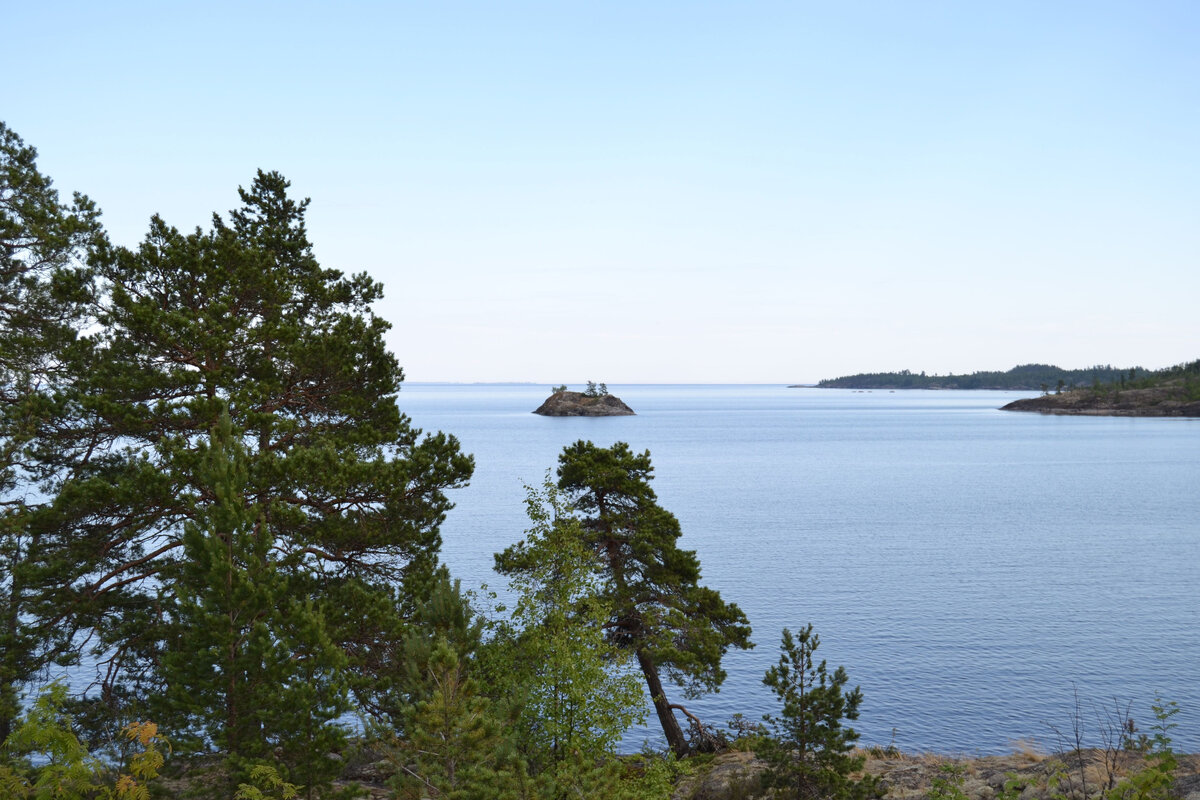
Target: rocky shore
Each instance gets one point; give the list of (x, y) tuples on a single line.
[(1158, 401), (1023, 775)]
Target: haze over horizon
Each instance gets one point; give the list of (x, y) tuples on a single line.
[(765, 192)]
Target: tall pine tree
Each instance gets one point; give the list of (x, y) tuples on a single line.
[(346, 495)]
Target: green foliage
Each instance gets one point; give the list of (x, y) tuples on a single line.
[(250, 669), (453, 747), (245, 587), (1025, 376), (43, 292), (266, 784), (66, 768), (574, 692), (46, 760), (562, 387), (1013, 788), (809, 753), (948, 785), (1151, 776), (744, 735), (1164, 710), (579, 776), (443, 615), (322, 542), (659, 610), (1155, 780), (1152, 783)]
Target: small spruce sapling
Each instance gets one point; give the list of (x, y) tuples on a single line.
[(809, 753)]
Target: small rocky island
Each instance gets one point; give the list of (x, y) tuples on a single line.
[(595, 402)]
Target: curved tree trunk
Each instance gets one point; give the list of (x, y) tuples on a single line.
[(666, 715)]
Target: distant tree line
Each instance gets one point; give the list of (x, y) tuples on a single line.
[(1025, 377)]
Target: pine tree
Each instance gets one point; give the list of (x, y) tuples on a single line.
[(347, 496), (453, 744), (240, 644), (659, 610), (810, 751)]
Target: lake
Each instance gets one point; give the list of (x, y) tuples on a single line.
[(970, 568)]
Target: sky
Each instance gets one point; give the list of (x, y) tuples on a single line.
[(668, 192)]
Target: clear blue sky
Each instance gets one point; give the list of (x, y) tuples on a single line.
[(668, 192)]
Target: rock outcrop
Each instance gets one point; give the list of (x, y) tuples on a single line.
[(1159, 401), (738, 775), (578, 404)]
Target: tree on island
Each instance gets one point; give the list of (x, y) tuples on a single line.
[(659, 610), (1024, 376)]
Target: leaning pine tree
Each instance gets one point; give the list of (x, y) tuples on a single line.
[(346, 495), (659, 610)]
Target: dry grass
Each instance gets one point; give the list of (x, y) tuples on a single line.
[(1027, 751)]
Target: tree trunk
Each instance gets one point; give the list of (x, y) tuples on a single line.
[(666, 715)]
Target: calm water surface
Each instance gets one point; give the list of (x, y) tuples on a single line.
[(969, 567)]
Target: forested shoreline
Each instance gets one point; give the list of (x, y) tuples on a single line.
[(1024, 377), (208, 491), (1171, 392)]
